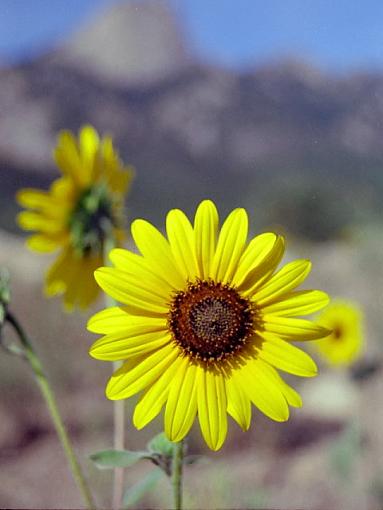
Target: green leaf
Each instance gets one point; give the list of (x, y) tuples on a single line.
[(161, 444), (109, 459), (133, 494)]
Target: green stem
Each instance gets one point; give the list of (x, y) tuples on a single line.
[(118, 405), (177, 465), (50, 400), (118, 444)]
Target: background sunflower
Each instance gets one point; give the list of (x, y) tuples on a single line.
[(79, 213), (345, 343)]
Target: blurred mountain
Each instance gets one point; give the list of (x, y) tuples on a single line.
[(133, 42), (301, 147)]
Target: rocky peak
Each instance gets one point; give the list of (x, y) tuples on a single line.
[(130, 43)]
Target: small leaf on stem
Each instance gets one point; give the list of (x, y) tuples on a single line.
[(161, 444), (110, 459)]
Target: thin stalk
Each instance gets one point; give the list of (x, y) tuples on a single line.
[(118, 406), (177, 472), (118, 444), (50, 400)]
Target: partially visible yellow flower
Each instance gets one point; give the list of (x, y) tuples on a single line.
[(344, 344), (81, 209), (206, 320)]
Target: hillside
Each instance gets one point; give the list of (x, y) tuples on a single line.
[(286, 140)]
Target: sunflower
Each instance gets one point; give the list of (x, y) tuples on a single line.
[(204, 322), (79, 212), (344, 344)]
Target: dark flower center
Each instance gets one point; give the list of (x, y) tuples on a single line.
[(337, 333), (210, 321), (92, 220)]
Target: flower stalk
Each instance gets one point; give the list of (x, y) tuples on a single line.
[(118, 405), (119, 444), (177, 472), (30, 355)]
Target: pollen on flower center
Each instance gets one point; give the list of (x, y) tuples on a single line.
[(210, 321)]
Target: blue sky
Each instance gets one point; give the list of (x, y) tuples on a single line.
[(339, 34)]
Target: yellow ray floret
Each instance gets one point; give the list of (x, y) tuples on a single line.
[(205, 321), (77, 214)]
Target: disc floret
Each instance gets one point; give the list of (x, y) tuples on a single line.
[(210, 321)]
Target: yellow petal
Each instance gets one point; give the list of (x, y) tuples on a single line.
[(36, 199), (255, 253), (116, 319), (155, 248), (119, 175), (230, 246), (127, 381), (151, 403), (181, 239), (292, 396), (131, 290), (212, 406), (65, 191), (286, 279), (88, 290), (89, 143), (34, 221), (181, 407), (205, 232), (293, 329), (88, 295), (238, 404), (59, 273), (136, 264), (42, 243), (75, 277), (67, 156), (263, 390), (301, 302), (286, 357), (256, 277), (134, 341)]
